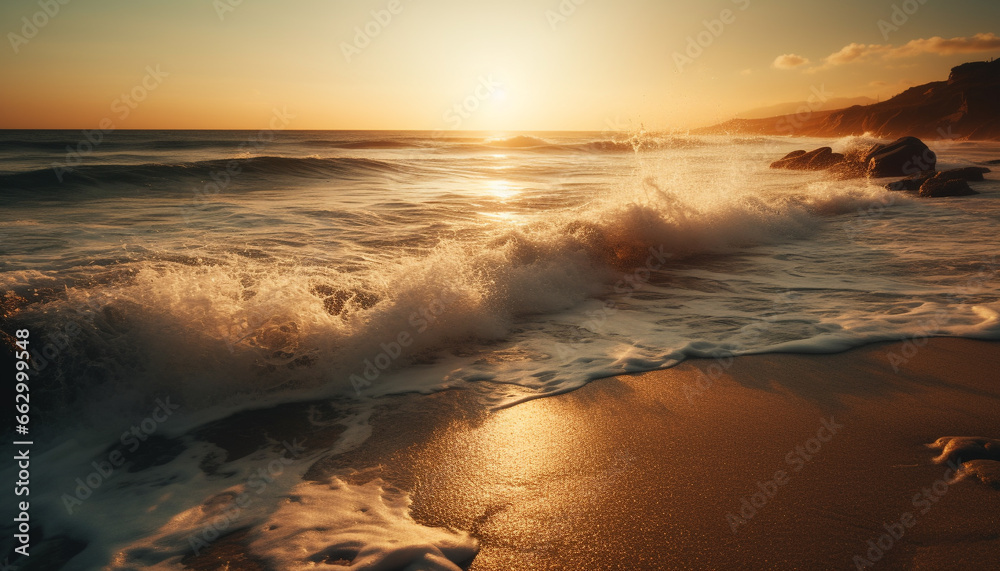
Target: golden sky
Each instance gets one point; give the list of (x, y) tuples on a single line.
[(468, 64)]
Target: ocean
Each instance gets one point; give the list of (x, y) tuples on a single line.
[(181, 277)]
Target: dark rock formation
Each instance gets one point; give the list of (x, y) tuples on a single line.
[(965, 173), (936, 187), (933, 184), (787, 161), (904, 156), (911, 183), (820, 159), (963, 107)]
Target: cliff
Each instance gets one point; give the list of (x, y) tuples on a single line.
[(966, 106)]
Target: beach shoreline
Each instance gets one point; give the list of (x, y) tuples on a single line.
[(654, 471)]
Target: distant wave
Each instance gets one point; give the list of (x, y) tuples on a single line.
[(23, 145), (112, 144), (622, 144), (373, 144), (104, 176), (167, 145), (517, 142)]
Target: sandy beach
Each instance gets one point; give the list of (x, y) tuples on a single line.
[(654, 471)]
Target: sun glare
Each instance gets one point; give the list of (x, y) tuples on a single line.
[(503, 189)]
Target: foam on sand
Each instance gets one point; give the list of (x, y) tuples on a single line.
[(980, 457), (273, 516), (362, 526)]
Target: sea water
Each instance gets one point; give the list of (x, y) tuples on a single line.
[(226, 270)]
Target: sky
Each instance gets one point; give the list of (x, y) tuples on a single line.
[(465, 64)]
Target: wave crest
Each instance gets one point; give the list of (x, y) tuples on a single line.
[(252, 325)]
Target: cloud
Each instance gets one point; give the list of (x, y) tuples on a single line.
[(858, 53), (940, 46), (789, 61), (854, 52)]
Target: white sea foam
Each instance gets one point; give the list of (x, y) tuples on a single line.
[(180, 509)]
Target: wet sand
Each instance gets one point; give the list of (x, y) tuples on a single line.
[(780, 461)]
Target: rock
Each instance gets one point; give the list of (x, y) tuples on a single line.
[(824, 158), (905, 156), (969, 70), (820, 159), (966, 173), (902, 157), (914, 182), (784, 161), (910, 183), (936, 187)]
